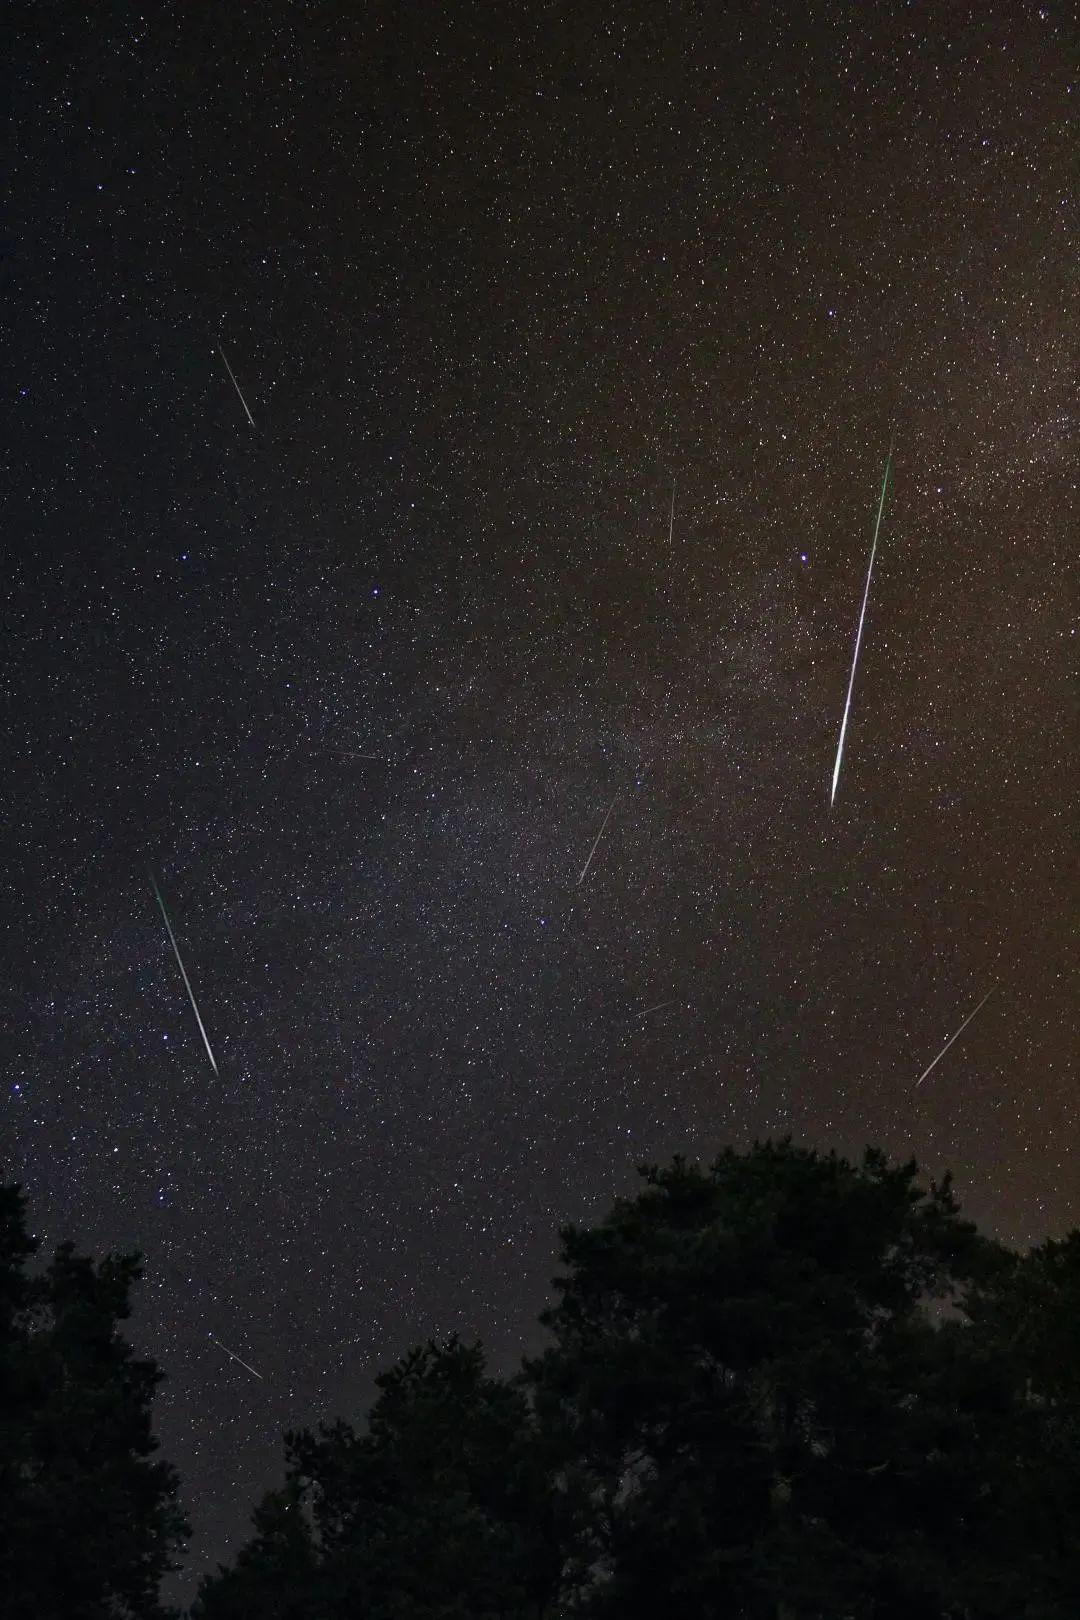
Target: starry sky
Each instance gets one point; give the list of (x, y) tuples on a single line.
[(574, 336)]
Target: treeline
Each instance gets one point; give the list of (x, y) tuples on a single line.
[(750, 1409)]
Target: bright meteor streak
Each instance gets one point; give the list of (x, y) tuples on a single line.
[(957, 1036), (671, 516), (236, 385), (596, 841), (858, 637), (183, 972), (243, 1363)]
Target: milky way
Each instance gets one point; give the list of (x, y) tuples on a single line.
[(362, 682)]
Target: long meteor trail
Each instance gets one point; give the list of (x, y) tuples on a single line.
[(240, 1359), (862, 616), (596, 841), (183, 973), (957, 1036), (236, 385), (671, 517)]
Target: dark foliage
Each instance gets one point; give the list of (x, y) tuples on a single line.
[(773, 1424), (442, 1509), (783, 1388), (88, 1521)]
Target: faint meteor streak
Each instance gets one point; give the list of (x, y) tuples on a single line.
[(236, 385), (659, 1005), (671, 515), (596, 841), (957, 1036), (240, 1359), (862, 616), (183, 971)]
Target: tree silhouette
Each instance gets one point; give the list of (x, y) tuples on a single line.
[(785, 1387), (277, 1574), (770, 1422), (90, 1523), (442, 1509), (1026, 1325)]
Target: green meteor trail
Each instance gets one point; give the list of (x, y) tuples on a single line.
[(183, 973), (862, 616)]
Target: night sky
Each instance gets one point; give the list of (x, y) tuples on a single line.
[(360, 684)]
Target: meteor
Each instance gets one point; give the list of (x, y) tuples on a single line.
[(597, 839), (862, 616), (183, 972), (671, 516), (243, 1363), (236, 385), (957, 1036)]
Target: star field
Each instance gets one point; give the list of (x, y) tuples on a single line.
[(360, 684)]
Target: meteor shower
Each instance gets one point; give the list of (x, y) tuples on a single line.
[(540, 890)]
